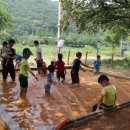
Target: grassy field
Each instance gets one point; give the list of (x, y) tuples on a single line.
[(49, 53)]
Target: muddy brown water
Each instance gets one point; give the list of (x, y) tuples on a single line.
[(65, 101)]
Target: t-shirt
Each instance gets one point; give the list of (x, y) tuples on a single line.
[(51, 68), (60, 65), (11, 53), (109, 93), (49, 79), (44, 68), (97, 64), (38, 49), (23, 68), (4, 51), (76, 65)]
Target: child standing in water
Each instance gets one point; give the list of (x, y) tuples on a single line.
[(23, 77), (75, 69), (96, 65), (50, 76), (60, 67)]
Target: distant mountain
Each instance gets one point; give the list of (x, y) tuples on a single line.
[(32, 16)]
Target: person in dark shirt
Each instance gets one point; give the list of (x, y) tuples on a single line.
[(9, 68), (75, 69)]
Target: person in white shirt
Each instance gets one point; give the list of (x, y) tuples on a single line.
[(38, 58)]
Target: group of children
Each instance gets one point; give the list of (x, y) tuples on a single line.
[(108, 94), (55, 66)]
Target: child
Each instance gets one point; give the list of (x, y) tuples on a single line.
[(49, 82), (60, 66), (23, 77), (75, 69), (52, 65), (19, 58), (97, 64), (4, 52), (108, 94), (43, 69)]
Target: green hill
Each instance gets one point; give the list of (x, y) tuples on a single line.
[(33, 16)]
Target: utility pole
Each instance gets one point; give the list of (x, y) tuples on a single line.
[(59, 16)]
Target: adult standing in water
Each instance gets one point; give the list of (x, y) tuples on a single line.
[(9, 67), (38, 55)]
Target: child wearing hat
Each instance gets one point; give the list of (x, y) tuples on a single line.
[(23, 77)]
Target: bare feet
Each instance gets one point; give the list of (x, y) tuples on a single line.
[(47, 92), (21, 101)]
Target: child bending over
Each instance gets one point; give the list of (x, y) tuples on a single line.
[(43, 69)]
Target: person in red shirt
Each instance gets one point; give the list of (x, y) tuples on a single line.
[(60, 67), (43, 69)]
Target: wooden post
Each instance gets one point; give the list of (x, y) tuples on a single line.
[(86, 58), (112, 59), (68, 57)]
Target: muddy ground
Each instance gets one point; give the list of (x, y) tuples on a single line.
[(65, 101)]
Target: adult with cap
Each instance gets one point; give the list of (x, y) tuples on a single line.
[(8, 67), (38, 58)]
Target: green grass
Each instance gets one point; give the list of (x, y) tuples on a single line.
[(127, 55), (49, 50), (117, 63), (49, 53)]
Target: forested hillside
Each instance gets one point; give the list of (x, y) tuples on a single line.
[(33, 16)]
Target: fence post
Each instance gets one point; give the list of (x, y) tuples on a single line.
[(86, 57), (112, 59), (68, 57)]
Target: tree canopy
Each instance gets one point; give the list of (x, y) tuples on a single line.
[(5, 17), (93, 15)]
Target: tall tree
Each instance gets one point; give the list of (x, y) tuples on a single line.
[(5, 17), (93, 15)]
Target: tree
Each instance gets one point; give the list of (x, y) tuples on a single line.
[(93, 15), (5, 17), (113, 39)]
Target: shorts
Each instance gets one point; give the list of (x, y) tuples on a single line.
[(23, 81), (60, 75), (39, 64)]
